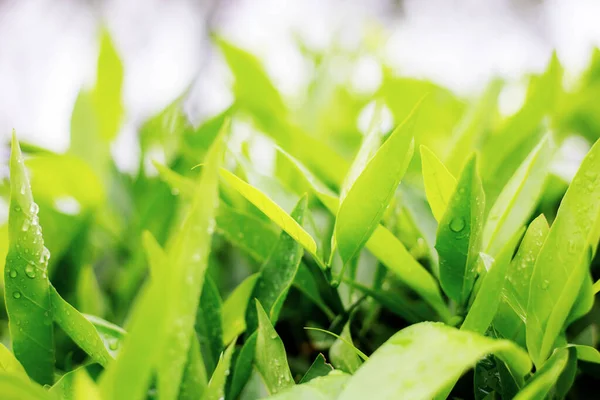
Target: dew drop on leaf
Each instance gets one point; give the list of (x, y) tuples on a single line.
[(30, 271), (17, 295), (34, 208), (13, 274), (113, 344), (457, 224)]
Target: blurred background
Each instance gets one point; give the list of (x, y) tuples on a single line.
[(49, 50)]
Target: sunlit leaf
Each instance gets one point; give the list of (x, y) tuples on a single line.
[(561, 265), (25, 278), (419, 361)]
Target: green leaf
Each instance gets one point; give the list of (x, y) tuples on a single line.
[(491, 375), (90, 298), (343, 356), (234, 309), (277, 273), (585, 300), (270, 358), (107, 93), (459, 235), (543, 380), (78, 328), (512, 312), (247, 232), (518, 199), (344, 339), (362, 206), (243, 366), (111, 334), (561, 265), (326, 387), (74, 385), (439, 183), (188, 256), (421, 360), (216, 385), (26, 285), (318, 368), (474, 125), (129, 375), (386, 247), (587, 353), (14, 387), (194, 382), (506, 149), (9, 364), (208, 326), (273, 211), (272, 117), (488, 298)]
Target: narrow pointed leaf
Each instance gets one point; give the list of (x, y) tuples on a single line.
[(209, 325), (277, 273), (129, 375), (439, 183), (563, 261), (512, 312), (459, 235), (270, 358), (370, 193), (318, 368), (234, 309), (343, 355), (188, 257), (9, 364), (26, 286), (194, 381), (216, 385), (243, 366), (79, 329), (518, 199), (545, 378), (488, 297), (107, 93), (273, 211), (421, 360)]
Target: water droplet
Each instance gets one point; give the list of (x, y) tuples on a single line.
[(17, 295), (30, 271), (545, 284), (45, 255), (25, 226), (13, 273), (113, 344), (175, 192), (274, 335), (23, 189), (17, 208), (34, 208), (457, 224)]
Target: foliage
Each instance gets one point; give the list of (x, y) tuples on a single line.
[(352, 267)]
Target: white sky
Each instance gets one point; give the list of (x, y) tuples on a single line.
[(48, 49)]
